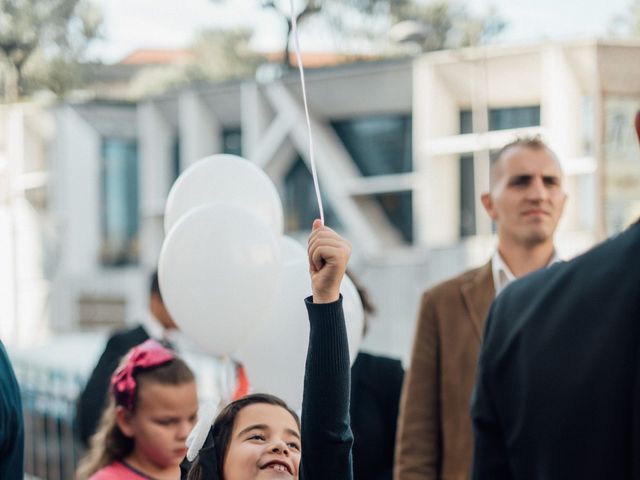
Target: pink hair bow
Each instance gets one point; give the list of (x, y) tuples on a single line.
[(146, 355)]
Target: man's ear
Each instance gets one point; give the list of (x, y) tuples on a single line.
[(487, 203), (123, 420)]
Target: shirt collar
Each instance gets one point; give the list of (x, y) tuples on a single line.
[(502, 274)]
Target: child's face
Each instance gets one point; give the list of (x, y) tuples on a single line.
[(265, 444), (164, 417)]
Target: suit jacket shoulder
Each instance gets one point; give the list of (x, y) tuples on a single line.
[(480, 277), (125, 340)]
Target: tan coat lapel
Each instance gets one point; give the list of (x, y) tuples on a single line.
[(478, 293)]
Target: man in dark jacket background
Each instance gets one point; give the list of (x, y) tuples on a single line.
[(11, 422), (558, 387)]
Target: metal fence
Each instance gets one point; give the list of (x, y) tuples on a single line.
[(49, 404)]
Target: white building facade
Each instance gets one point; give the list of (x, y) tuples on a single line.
[(403, 150)]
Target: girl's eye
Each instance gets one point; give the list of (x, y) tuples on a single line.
[(257, 436), (294, 446)]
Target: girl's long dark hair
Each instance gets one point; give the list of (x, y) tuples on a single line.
[(210, 461)]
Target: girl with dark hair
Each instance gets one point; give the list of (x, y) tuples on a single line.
[(258, 436), (152, 408)]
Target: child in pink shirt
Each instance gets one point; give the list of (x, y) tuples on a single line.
[(152, 409)]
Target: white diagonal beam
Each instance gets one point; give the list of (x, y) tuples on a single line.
[(364, 218)]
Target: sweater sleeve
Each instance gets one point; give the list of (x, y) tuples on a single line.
[(326, 430)]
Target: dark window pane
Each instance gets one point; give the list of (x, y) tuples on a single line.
[(466, 122), (119, 201), (503, 118), (378, 145), (399, 209), (300, 203), (381, 145), (232, 141), (467, 197), (175, 161)]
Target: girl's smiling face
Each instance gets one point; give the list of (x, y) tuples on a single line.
[(264, 444)]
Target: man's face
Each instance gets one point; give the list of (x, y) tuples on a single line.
[(528, 198)]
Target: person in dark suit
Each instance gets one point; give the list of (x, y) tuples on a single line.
[(557, 394), (11, 423), (93, 398), (376, 383)]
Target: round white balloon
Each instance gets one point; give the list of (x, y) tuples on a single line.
[(291, 250), (274, 355), (229, 179), (218, 272)]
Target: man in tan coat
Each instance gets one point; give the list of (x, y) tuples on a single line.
[(435, 439)]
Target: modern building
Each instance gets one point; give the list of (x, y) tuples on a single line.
[(403, 149)]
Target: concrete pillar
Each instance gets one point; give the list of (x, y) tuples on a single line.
[(437, 204), (256, 116), (156, 138), (200, 130)]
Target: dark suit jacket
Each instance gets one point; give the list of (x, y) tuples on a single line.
[(435, 439), (93, 399), (376, 383), (11, 422), (558, 388)]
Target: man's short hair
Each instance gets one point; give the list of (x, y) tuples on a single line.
[(533, 142)]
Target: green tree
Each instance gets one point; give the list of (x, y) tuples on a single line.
[(440, 23), (222, 54), (42, 43)]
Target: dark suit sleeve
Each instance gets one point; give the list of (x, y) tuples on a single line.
[(93, 398), (490, 460), (418, 438), (326, 430), (394, 377), (11, 422)]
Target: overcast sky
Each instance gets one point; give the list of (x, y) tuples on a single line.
[(132, 24)]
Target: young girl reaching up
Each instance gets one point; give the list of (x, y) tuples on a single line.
[(152, 408), (258, 437)]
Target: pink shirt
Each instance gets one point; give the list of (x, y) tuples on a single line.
[(117, 471)]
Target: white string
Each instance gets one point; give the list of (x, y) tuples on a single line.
[(294, 30)]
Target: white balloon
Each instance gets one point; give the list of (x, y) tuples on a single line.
[(274, 356), (218, 272), (229, 179), (291, 250)]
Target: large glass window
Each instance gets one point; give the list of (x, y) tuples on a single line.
[(467, 197), (300, 203), (120, 221), (176, 164), (504, 118), (232, 141), (381, 145)]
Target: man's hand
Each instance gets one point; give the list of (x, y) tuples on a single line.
[(328, 257)]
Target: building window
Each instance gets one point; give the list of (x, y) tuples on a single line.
[(381, 145), (120, 221), (504, 118), (176, 166), (467, 197), (300, 203), (232, 141)]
